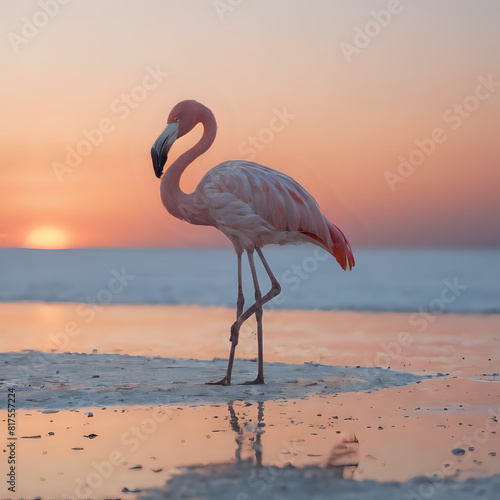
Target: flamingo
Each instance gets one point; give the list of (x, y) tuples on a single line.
[(251, 204)]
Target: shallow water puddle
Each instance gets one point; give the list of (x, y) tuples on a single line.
[(383, 435)]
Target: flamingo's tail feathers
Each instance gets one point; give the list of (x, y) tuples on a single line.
[(341, 249)]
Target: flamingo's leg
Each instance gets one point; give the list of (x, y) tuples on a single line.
[(241, 299), (258, 315), (257, 306), (275, 290), (234, 333)]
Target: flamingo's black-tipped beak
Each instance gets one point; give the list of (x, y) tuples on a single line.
[(161, 147), (156, 163)]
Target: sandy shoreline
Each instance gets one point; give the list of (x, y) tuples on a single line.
[(401, 436), (59, 381)]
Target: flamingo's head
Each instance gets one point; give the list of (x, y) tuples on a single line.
[(181, 120)]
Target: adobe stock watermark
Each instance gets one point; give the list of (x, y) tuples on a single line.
[(32, 25), (392, 351), (121, 108), (223, 7), (297, 274), (130, 441), (291, 280), (448, 469), (454, 117), (261, 478), (364, 36), (87, 312), (279, 120)]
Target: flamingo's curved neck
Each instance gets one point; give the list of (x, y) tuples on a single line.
[(178, 203)]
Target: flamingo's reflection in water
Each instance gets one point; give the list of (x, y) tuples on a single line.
[(252, 474), (342, 460), (248, 435)]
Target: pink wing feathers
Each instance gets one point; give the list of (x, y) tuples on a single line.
[(258, 195)]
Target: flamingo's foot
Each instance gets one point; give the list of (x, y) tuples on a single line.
[(258, 380), (224, 381)]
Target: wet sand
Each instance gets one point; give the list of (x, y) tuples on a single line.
[(254, 444)]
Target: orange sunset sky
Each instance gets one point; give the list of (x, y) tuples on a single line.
[(386, 111)]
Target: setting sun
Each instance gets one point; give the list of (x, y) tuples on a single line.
[(47, 237)]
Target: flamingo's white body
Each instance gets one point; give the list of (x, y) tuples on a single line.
[(251, 204)]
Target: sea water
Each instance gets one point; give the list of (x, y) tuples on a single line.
[(400, 280)]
